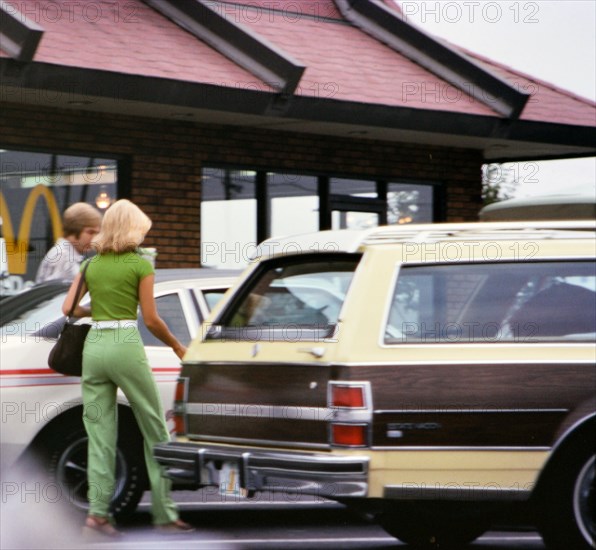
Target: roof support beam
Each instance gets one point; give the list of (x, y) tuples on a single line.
[(256, 55), (383, 24), (19, 36)]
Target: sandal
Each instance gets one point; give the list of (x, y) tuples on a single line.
[(177, 526), (102, 525)]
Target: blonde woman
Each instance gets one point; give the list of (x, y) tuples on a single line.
[(119, 280)]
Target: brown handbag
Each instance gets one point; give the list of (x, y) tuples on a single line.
[(66, 357)]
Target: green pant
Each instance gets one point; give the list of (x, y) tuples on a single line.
[(112, 359)]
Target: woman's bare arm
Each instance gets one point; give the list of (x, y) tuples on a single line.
[(153, 321), (71, 296)]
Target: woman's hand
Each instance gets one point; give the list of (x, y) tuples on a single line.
[(180, 351), (151, 317)]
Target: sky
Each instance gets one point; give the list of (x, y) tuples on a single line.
[(553, 40)]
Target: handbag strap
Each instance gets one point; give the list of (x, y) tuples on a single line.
[(79, 286)]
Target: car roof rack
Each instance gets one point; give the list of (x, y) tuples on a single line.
[(351, 240), (478, 231)]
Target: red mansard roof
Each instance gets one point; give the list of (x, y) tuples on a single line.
[(125, 36), (342, 62), (332, 58)]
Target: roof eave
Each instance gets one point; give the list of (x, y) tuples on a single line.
[(19, 36), (104, 91)]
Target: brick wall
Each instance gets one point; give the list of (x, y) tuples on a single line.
[(166, 158)]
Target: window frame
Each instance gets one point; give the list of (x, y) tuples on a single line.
[(513, 340), (222, 330), (328, 201)]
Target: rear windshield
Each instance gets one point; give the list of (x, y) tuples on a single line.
[(296, 298), (505, 302)]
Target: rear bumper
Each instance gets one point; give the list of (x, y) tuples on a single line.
[(323, 475)]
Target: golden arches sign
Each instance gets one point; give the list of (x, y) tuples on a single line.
[(17, 248)]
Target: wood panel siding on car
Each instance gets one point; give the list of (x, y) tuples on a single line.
[(501, 404), (262, 401)]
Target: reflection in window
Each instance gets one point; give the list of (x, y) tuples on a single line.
[(352, 201), (508, 302), (294, 203), (240, 206), (353, 187), (212, 296), (36, 312), (170, 310), (407, 203), (302, 296), (35, 189), (347, 219), (228, 217)]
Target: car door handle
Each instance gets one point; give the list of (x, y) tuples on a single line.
[(317, 351)]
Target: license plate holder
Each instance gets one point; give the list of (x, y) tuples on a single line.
[(229, 480)]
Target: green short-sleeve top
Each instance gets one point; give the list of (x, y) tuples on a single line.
[(113, 283)]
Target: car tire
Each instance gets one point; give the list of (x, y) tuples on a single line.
[(433, 528), (66, 463), (567, 510)]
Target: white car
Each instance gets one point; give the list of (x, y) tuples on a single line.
[(42, 410)]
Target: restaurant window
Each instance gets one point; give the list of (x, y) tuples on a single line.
[(294, 203), (242, 207), (228, 217), (409, 203), (35, 189), (354, 204)]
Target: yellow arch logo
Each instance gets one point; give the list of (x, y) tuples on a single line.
[(16, 248)]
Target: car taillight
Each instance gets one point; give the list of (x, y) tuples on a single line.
[(348, 434), (180, 397), (347, 396), (351, 403)]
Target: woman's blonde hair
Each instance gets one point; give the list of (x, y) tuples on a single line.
[(123, 228)]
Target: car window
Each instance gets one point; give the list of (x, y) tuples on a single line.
[(42, 319), (301, 296), (213, 295), (506, 302), (170, 310), (35, 304)]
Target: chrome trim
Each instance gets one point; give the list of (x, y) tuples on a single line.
[(388, 303), (430, 363), (470, 494), (351, 415), (460, 448), (318, 364), (198, 438), (518, 345), (356, 416), (246, 410), (364, 384), (473, 361), (322, 475), (478, 231), (400, 264), (439, 411)]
